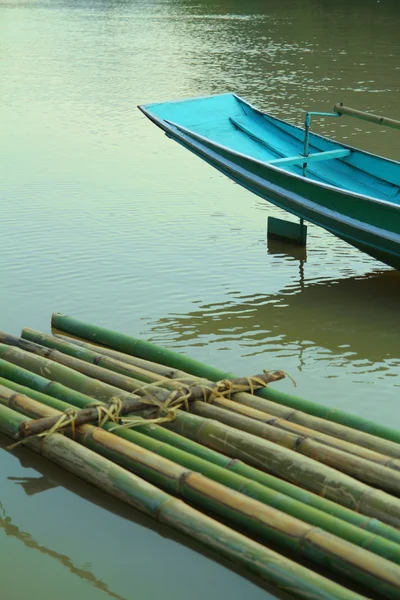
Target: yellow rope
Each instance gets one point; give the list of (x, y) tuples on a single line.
[(130, 422), (226, 388), (66, 418), (187, 385), (177, 399), (291, 378), (106, 412), (169, 406)]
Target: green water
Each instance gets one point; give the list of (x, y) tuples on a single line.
[(104, 218)]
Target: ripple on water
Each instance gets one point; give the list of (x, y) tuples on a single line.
[(105, 218)]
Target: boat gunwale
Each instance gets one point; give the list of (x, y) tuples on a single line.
[(158, 120), (293, 197)]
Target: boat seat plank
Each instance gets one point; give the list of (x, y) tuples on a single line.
[(317, 172), (256, 131), (386, 171), (294, 160)]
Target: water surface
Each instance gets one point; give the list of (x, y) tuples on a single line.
[(104, 218)]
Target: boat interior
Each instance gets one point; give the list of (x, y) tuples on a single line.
[(229, 121)]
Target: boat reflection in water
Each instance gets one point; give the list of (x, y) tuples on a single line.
[(358, 315)]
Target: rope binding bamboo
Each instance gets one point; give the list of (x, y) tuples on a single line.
[(115, 410)]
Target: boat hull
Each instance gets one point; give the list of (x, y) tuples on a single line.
[(369, 224)]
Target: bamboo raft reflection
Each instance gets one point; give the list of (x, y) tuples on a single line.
[(29, 541), (180, 440)]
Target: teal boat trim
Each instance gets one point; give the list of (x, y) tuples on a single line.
[(353, 194)]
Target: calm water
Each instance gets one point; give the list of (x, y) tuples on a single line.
[(104, 218)]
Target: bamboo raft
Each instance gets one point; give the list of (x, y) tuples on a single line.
[(180, 441)]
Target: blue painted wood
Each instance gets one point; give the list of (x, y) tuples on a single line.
[(354, 195), (299, 160)]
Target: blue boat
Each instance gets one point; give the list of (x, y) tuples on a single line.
[(353, 194)]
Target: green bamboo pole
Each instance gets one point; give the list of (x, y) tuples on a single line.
[(271, 524), (134, 361), (39, 396), (235, 481), (67, 376), (278, 460), (149, 372), (128, 383), (113, 362), (145, 497), (170, 439), (303, 441), (354, 436), (147, 350), (310, 449), (305, 432), (360, 468), (46, 387)]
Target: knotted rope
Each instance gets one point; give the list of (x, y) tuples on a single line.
[(108, 412), (66, 419), (179, 398), (165, 409), (105, 413)]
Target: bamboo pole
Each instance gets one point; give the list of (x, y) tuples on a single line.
[(360, 468), (108, 359), (305, 432), (294, 437), (81, 417), (170, 439), (343, 432), (235, 481), (282, 462), (364, 116), (261, 520), (135, 361), (147, 350), (42, 385), (152, 372), (278, 460), (302, 442), (145, 497), (66, 376), (127, 383)]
